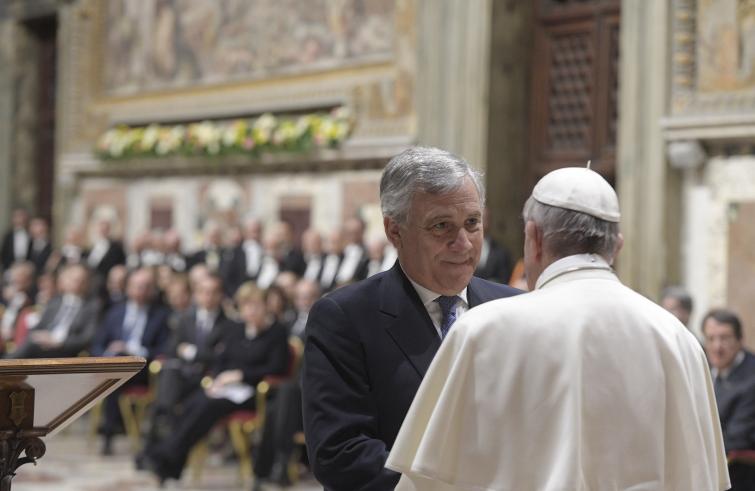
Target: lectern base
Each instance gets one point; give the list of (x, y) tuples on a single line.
[(12, 444)]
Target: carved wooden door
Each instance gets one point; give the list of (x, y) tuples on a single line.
[(574, 85)]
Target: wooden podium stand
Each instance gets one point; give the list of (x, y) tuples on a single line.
[(40, 397)]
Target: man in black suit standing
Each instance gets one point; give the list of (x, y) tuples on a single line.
[(495, 261), (40, 248), (733, 372), (16, 241), (104, 254), (369, 344)]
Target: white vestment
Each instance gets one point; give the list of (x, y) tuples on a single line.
[(580, 385)]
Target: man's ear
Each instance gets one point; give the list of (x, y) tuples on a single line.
[(392, 231)]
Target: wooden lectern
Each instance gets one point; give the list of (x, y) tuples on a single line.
[(40, 397)]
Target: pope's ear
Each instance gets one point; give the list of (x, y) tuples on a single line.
[(618, 246), (392, 231)]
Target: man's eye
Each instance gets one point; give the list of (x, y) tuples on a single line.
[(473, 222), (440, 226)]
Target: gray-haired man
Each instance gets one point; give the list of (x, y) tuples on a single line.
[(369, 344)]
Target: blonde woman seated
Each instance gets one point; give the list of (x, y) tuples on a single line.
[(248, 352)]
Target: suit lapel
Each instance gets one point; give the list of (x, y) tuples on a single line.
[(410, 325)]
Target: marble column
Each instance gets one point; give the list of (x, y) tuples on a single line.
[(7, 50), (453, 40), (644, 183)]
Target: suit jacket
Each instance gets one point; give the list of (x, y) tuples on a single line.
[(40, 257), (6, 253), (114, 255), (154, 337), (368, 345), (235, 270), (83, 326), (293, 260), (735, 398), (266, 354), (186, 332), (497, 266)]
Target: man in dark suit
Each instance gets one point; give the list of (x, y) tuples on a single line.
[(495, 261), (733, 371), (40, 248), (68, 323), (355, 261), (311, 246), (135, 327), (16, 241), (246, 259), (369, 344), (104, 254)]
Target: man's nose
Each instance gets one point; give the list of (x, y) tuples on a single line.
[(461, 241)]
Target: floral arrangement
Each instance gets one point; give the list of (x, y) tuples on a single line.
[(267, 133)]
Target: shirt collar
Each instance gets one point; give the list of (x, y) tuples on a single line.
[(725, 373), (568, 264), (428, 296)]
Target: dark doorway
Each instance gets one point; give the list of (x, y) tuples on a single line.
[(575, 86), (44, 32)]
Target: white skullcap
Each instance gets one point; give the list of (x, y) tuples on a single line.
[(578, 189)]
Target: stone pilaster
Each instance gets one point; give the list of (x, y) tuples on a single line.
[(7, 50), (642, 174), (452, 76)]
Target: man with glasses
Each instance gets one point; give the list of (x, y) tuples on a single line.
[(733, 371)]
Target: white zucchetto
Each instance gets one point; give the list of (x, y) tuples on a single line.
[(579, 189)]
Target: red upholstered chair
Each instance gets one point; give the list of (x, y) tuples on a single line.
[(133, 403), (741, 456)]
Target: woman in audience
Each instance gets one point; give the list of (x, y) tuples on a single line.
[(249, 351)]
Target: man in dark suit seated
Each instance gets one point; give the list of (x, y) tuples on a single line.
[(68, 323), (733, 371), (134, 327), (191, 351), (369, 344)]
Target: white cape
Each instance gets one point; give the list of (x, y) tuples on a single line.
[(580, 385)]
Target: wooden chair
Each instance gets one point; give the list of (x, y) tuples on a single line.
[(133, 403)]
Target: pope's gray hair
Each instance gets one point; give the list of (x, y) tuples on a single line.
[(567, 232), (426, 169)]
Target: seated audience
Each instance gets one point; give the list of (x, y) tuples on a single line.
[(247, 353), (733, 371), (135, 327), (68, 323)]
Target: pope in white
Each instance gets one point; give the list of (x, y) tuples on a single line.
[(580, 385)]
